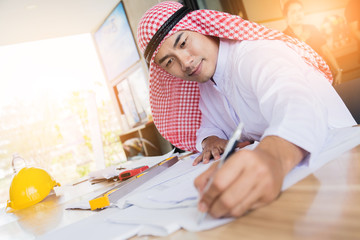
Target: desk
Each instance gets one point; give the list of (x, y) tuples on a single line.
[(324, 205)]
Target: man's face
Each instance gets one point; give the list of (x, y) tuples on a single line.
[(295, 14), (189, 55)]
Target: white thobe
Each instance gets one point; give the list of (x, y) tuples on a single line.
[(270, 88)]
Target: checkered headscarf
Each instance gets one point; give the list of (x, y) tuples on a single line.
[(175, 102)]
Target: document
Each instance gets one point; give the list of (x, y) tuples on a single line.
[(171, 189), (111, 172), (94, 227), (168, 202), (162, 222), (338, 141)]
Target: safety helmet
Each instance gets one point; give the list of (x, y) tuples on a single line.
[(29, 186)]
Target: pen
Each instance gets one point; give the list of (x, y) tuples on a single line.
[(229, 149)]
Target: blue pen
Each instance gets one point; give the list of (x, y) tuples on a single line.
[(229, 149)]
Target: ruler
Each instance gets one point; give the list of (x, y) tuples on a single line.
[(114, 194)]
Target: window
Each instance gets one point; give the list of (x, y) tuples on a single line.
[(52, 95)]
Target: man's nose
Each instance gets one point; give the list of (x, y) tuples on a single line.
[(186, 61)]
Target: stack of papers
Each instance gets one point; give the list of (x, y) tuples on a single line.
[(114, 171), (110, 173), (172, 189), (168, 201)]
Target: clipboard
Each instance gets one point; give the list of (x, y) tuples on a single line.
[(114, 194)]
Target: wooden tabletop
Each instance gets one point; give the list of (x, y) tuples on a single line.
[(324, 205)]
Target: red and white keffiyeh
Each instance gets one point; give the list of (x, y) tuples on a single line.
[(175, 102)]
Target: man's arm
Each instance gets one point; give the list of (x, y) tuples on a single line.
[(216, 126), (249, 179)]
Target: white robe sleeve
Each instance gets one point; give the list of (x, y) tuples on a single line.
[(210, 125)]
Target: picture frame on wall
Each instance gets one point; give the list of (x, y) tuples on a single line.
[(116, 43)]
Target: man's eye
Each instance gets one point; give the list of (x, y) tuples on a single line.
[(169, 62), (183, 44)]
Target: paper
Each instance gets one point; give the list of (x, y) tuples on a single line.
[(338, 142), (105, 173), (112, 171), (165, 221), (149, 161), (172, 189), (94, 227), (167, 202)]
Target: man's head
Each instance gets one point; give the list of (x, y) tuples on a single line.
[(294, 12), (189, 55), (159, 22), (169, 35), (174, 38)]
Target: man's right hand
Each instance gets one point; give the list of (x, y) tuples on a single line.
[(213, 147)]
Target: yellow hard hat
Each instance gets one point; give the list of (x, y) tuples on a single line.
[(29, 186)]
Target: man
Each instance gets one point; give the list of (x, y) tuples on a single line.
[(208, 72)]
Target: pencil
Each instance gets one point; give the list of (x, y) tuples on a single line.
[(229, 149)]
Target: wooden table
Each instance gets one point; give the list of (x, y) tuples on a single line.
[(324, 205)]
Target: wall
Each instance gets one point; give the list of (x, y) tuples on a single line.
[(271, 10), (269, 14), (135, 9)]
